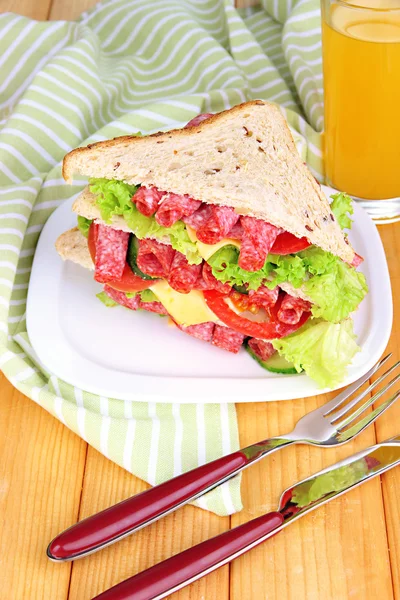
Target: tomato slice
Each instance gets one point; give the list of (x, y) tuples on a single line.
[(91, 240), (268, 330), (287, 243), (129, 282)]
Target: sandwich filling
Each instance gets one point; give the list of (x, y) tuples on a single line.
[(226, 277), (221, 276)]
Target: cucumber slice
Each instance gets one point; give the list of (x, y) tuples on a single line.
[(274, 364), (133, 249), (241, 289)]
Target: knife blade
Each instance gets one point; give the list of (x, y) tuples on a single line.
[(167, 577)]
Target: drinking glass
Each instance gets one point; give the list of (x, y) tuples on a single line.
[(361, 60)]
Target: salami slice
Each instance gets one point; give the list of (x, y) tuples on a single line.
[(111, 249), (218, 225), (209, 282), (258, 239), (237, 231), (154, 258), (182, 276), (197, 120), (121, 298), (227, 339), (199, 217), (264, 297), (203, 331), (174, 207), (357, 260), (155, 307), (264, 350), (291, 309), (147, 200)]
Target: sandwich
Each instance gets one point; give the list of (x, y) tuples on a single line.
[(221, 228)]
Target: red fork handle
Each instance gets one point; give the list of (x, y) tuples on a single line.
[(184, 568), (124, 518)]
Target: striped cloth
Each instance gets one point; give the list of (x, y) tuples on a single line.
[(125, 66)]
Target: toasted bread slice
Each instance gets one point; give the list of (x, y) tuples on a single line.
[(244, 157), (72, 245)]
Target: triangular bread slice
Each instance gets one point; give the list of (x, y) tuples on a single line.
[(244, 157), (72, 245)]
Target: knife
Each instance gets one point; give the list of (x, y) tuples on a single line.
[(182, 569)]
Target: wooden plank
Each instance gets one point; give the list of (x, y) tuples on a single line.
[(390, 424), (69, 9), (41, 470), (37, 9), (327, 554), (105, 484)]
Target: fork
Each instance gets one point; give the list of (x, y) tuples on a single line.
[(332, 424)]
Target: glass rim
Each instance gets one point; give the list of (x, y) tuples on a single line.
[(377, 9)]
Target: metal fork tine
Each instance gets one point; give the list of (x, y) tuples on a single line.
[(347, 434), (340, 398), (351, 418), (346, 409)]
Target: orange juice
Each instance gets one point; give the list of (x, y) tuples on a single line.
[(361, 52)]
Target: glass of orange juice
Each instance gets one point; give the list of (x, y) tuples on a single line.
[(361, 58)]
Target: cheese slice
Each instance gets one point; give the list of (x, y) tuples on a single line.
[(185, 309), (207, 250)]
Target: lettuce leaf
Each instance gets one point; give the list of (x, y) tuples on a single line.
[(105, 299), (322, 349), (337, 292), (114, 198), (148, 296), (342, 207), (224, 265), (288, 268), (317, 261), (83, 225), (335, 288)]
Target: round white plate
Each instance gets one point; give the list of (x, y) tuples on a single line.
[(136, 356)]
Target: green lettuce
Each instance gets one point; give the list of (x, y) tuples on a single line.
[(337, 292), (115, 198), (224, 265), (289, 268), (83, 225), (148, 296), (334, 287), (342, 207), (322, 349), (105, 299)]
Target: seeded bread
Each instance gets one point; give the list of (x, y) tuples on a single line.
[(244, 157), (72, 245)]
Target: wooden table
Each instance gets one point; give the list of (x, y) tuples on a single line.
[(50, 478)]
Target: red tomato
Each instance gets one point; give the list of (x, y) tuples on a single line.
[(287, 243), (91, 240), (268, 330), (129, 282)]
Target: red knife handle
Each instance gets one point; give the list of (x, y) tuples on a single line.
[(111, 524), (184, 568)]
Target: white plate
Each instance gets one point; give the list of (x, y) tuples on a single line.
[(136, 356)]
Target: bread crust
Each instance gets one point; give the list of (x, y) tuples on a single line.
[(72, 245), (244, 158)]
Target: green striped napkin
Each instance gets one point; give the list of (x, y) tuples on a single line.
[(126, 66)]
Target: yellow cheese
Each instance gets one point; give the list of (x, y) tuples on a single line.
[(185, 309), (207, 250)]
